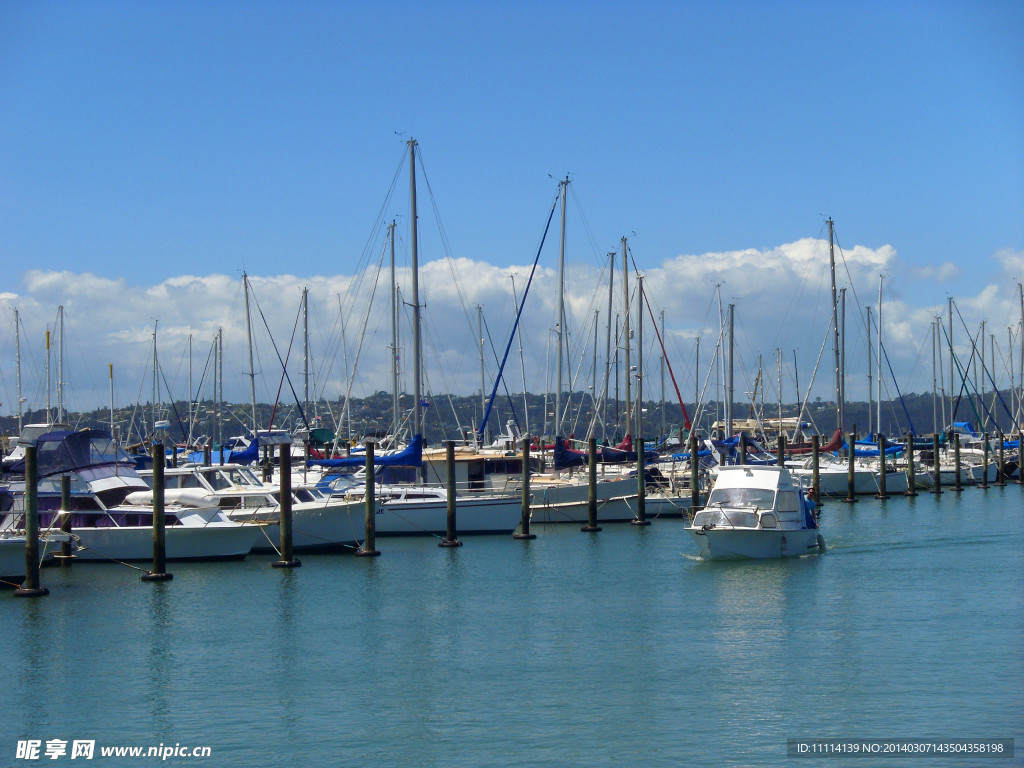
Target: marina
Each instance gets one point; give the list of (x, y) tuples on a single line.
[(611, 648), (553, 386)]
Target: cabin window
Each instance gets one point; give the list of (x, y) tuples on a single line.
[(742, 497), (725, 518)]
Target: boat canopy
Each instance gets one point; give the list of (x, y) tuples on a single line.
[(66, 451)]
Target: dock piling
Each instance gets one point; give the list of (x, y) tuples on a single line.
[(159, 572), (285, 507), (369, 497), (911, 484), (591, 525), (31, 588), (641, 486), (881, 468), (851, 481), (524, 524), (958, 482), (451, 539)]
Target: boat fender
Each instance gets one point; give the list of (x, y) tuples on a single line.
[(821, 544), (782, 546)]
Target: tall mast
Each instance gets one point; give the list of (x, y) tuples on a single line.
[(156, 368), (729, 380), (950, 303), (49, 416), (483, 383), (593, 385), (560, 324), (842, 353), (111, 367), (17, 358), (980, 388), (395, 415), (305, 350), (880, 354), (193, 399), (626, 332), (835, 323), (248, 333), (935, 378), (696, 378), (417, 348), (608, 340), (219, 389), (663, 376), (640, 365), (871, 357), (60, 365)]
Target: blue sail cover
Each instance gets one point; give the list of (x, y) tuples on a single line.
[(247, 455), (410, 456), (567, 457)]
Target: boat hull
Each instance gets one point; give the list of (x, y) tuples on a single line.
[(734, 544), (214, 541), (430, 518), (332, 527)]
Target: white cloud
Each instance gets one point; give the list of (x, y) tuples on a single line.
[(782, 299), (939, 273)]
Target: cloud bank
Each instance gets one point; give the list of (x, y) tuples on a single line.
[(781, 298)]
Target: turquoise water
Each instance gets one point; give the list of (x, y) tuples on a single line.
[(609, 649)]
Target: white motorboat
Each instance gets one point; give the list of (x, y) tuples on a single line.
[(756, 512), (112, 507), (834, 476), (12, 554), (319, 523), (413, 510)]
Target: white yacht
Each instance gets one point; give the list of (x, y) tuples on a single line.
[(756, 512), (112, 507), (319, 523)]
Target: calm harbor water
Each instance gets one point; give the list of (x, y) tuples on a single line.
[(617, 648)]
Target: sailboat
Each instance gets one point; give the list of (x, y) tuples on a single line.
[(418, 507)]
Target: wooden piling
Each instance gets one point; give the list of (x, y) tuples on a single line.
[(936, 463), (369, 497), (285, 508), (641, 486), (1001, 467), (851, 481), (451, 539), (781, 449), (524, 524), (31, 588), (984, 463), (958, 484), (743, 448), (881, 468), (159, 572), (911, 483), (591, 525)]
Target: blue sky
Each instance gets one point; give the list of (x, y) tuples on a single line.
[(141, 142)]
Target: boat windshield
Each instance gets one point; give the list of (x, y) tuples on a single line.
[(742, 497)]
